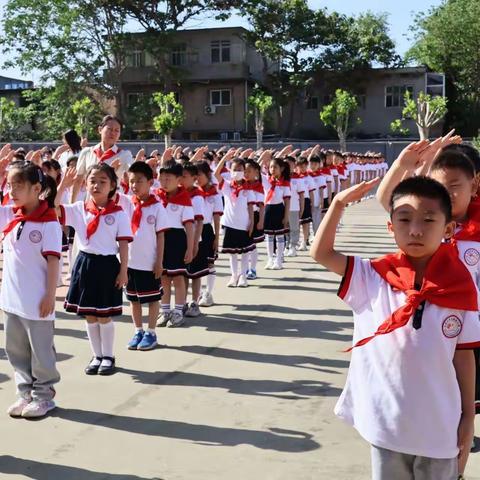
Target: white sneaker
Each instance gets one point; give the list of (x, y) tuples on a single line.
[(193, 310), (293, 252), (269, 264), (277, 265), (176, 319), (206, 300), (16, 409), (233, 282), (38, 408), (242, 281), (303, 247), (163, 319)]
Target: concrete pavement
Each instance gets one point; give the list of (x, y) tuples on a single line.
[(246, 391)]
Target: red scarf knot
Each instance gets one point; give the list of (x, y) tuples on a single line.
[(137, 212), (98, 212), (275, 182), (43, 213), (107, 155)]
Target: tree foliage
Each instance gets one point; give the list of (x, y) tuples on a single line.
[(447, 40), (339, 114), (171, 115), (13, 119), (259, 104)]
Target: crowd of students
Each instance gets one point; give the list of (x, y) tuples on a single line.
[(151, 226), (411, 390)]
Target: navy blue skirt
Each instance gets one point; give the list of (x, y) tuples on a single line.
[(174, 254), (258, 235), (307, 213), (274, 215), (92, 289), (201, 264)]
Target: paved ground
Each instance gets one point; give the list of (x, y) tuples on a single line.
[(246, 392)]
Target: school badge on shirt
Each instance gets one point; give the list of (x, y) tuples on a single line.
[(471, 256), (452, 326), (109, 219), (35, 236)]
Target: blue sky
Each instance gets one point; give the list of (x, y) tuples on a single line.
[(401, 13)]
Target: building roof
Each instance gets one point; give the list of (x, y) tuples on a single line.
[(195, 30), (9, 83)]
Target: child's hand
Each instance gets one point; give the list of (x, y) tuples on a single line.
[(286, 222), (47, 305), (465, 436), (140, 157), (410, 157), (116, 163), (195, 251), (158, 269), (356, 192), (122, 279), (250, 229), (260, 225), (215, 245), (69, 178), (188, 256)]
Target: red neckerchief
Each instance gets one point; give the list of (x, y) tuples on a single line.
[(181, 197), (43, 213), (194, 192), (210, 192), (474, 209), (256, 186), (104, 156), (341, 169), (238, 187), (325, 171), (295, 175), (6, 199), (274, 182), (125, 187), (92, 208), (311, 173), (137, 212), (446, 283)]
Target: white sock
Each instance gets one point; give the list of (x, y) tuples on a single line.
[(253, 259), (244, 263), (234, 265), (211, 282), (280, 247), (93, 332), (107, 335), (270, 245)]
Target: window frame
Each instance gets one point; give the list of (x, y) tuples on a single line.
[(221, 92), (222, 49), (397, 95)]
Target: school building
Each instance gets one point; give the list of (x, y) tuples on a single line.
[(217, 69), (12, 88)]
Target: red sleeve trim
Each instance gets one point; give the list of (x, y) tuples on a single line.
[(468, 346), (218, 213), (128, 239), (252, 203), (162, 230), (188, 221), (260, 204), (347, 277), (61, 218), (53, 254), (198, 217), (312, 190), (287, 196)]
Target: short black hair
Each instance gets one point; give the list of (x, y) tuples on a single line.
[(190, 168), (449, 159), (470, 151), (301, 161), (253, 164), (172, 167), (108, 118), (423, 187), (142, 168), (109, 171), (238, 161)]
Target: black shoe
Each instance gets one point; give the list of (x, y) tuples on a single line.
[(103, 370), (93, 369)]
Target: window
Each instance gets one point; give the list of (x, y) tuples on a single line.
[(220, 98), (394, 95), (327, 99), (179, 55), (435, 84), (362, 100), (136, 59), (312, 103), (220, 50)]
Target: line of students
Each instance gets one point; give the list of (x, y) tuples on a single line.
[(411, 390), (152, 227)]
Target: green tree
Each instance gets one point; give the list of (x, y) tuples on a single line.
[(260, 103), (171, 115), (13, 119), (425, 110), (446, 39), (86, 113), (339, 115)]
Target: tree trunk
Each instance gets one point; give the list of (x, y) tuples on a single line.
[(423, 132), (259, 138), (168, 140), (343, 141)]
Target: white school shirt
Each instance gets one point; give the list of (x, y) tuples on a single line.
[(213, 205), (198, 205), (279, 194), (142, 252), (111, 229), (65, 157), (235, 213), (87, 158), (297, 186), (178, 215), (401, 392), (24, 279), (328, 179), (334, 173)]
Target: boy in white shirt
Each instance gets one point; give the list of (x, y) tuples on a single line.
[(411, 382)]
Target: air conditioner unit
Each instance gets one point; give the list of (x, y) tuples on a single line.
[(210, 109)]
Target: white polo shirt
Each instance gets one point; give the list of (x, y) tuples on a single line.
[(24, 279), (402, 392), (178, 208), (213, 205), (111, 229), (236, 208), (142, 252), (87, 158), (297, 186), (198, 204)]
